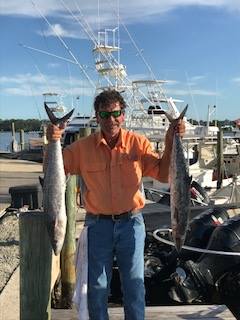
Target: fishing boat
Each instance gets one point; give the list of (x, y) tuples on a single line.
[(146, 98), (147, 103)]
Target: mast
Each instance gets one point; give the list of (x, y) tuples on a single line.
[(210, 112)]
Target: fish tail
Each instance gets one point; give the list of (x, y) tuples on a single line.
[(182, 114), (54, 119), (41, 181), (178, 244)]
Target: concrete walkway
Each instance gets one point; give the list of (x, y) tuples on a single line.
[(9, 299), (15, 173)]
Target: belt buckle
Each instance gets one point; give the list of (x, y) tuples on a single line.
[(114, 218)]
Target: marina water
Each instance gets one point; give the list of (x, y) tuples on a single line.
[(6, 139)]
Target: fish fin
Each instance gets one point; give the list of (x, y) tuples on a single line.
[(182, 114), (190, 180), (54, 119), (41, 181), (178, 244)]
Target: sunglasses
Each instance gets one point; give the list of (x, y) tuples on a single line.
[(107, 114)]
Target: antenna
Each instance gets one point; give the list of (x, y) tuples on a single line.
[(98, 16), (47, 53), (118, 30), (65, 45)]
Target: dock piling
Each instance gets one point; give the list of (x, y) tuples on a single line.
[(22, 143), (35, 267), (84, 132), (220, 161), (68, 276)]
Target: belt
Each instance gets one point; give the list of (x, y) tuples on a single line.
[(114, 217)]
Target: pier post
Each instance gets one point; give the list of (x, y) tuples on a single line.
[(22, 139), (68, 276), (220, 161), (45, 135), (76, 137), (13, 130), (93, 130), (84, 132), (35, 267), (14, 145)]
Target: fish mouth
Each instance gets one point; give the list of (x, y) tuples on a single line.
[(178, 243)]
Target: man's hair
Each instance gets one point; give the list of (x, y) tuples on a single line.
[(108, 97)]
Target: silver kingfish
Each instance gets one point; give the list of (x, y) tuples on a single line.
[(180, 183), (54, 186)]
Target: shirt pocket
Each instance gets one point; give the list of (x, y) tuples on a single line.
[(131, 172), (95, 167), (94, 175)]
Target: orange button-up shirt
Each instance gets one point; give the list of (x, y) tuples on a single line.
[(112, 177)]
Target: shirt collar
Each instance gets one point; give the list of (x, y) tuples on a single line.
[(121, 140)]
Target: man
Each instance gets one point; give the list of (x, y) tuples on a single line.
[(111, 164)]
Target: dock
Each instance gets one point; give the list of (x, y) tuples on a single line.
[(16, 173), (207, 312), (20, 172)]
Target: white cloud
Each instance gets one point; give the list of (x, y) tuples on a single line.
[(21, 79), (172, 82), (130, 11), (53, 65), (18, 91), (26, 85), (236, 80), (195, 92), (26, 8), (195, 79), (134, 11), (58, 30)]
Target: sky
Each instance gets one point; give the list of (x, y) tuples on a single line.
[(194, 44)]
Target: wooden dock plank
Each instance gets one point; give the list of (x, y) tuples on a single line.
[(192, 312)]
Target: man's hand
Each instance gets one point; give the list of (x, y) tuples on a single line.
[(180, 127), (54, 132), (176, 126)]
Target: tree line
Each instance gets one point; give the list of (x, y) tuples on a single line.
[(27, 125), (36, 125)]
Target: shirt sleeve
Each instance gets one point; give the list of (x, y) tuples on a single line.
[(154, 165), (150, 160), (71, 159)]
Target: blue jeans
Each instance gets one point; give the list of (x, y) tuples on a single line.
[(124, 239)]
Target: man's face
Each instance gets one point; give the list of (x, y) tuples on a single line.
[(111, 125)]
